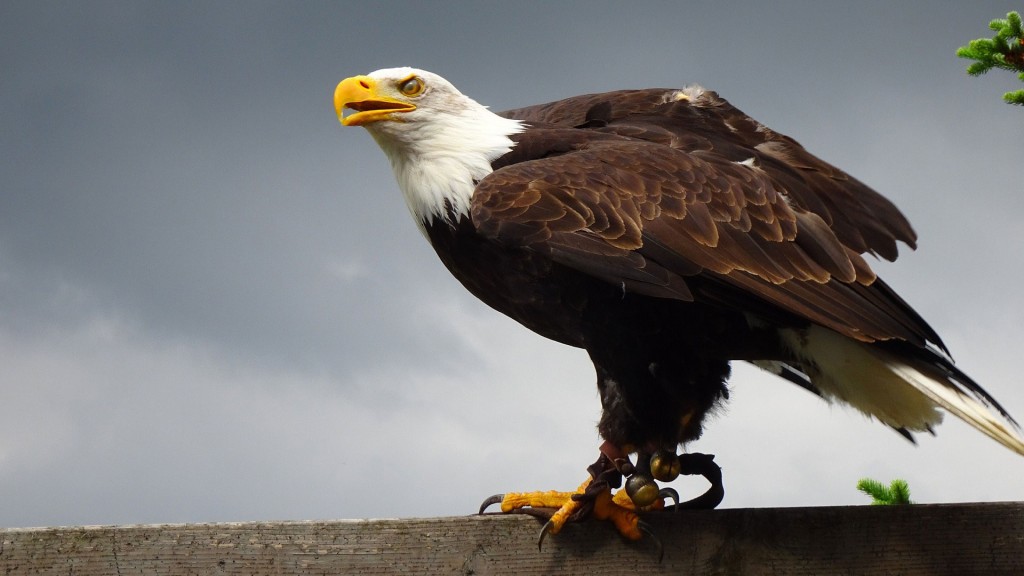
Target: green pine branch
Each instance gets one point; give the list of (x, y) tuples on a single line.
[(1005, 50), (896, 493)]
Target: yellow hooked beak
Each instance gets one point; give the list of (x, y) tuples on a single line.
[(362, 94)]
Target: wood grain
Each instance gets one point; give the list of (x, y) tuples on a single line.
[(958, 539)]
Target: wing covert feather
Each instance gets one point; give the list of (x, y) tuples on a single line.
[(667, 197), (698, 120)]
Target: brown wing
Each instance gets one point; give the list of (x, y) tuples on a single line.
[(699, 121), (644, 213)]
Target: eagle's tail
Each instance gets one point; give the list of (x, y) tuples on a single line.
[(902, 391), (951, 392)]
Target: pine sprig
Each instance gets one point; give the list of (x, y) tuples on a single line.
[(896, 493), (1005, 50)]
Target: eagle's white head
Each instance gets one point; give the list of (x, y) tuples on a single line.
[(439, 141)]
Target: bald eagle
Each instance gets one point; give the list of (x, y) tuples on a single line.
[(666, 233)]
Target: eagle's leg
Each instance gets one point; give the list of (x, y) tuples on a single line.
[(593, 498)]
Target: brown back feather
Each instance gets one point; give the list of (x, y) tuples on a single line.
[(644, 190)]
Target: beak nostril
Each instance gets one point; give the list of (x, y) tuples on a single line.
[(364, 84)]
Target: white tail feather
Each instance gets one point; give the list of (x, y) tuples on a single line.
[(893, 391), (962, 405)]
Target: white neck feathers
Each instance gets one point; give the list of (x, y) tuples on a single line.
[(439, 159)]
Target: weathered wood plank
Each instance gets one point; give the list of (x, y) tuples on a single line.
[(960, 539)]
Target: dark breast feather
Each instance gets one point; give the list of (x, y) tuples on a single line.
[(693, 200)]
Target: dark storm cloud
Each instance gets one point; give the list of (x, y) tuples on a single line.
[(213, 305)]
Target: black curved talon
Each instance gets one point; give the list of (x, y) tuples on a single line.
[(497, 498), (542, 513), (543, 532), (646, 529), (666, 493)]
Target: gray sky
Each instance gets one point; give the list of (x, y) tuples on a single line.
[(215, 307)]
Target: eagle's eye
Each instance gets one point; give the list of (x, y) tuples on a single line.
[(411, 86)]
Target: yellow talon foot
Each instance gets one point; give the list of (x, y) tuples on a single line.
[(562, 502), (551, 499), (622, 516), (594, 497), (617, 509)]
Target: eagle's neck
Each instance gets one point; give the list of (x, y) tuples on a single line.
[(438, 160)]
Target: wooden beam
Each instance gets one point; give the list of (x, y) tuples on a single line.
[(961, 539)]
